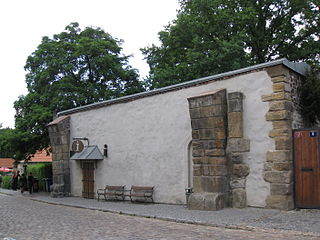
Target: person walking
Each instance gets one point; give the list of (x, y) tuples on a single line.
[(15, 180), (23, 182), (30, 183)]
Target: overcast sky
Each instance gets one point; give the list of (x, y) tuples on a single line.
[(23, 23)]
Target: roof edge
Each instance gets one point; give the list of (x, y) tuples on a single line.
[(299, 67), (57, 120)]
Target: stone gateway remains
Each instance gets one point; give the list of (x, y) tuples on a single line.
[(228, 137)]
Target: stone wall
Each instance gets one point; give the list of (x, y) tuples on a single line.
[(237, 145), (278, 169), (59, 133), (294, 83), (210, 172)]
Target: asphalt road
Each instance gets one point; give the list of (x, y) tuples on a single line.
[(22, 218)]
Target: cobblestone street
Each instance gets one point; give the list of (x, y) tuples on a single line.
[(23, 218)]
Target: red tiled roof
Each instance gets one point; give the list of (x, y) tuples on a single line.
[(6, 162), (40, 156)]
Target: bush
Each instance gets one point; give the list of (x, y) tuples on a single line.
[(6, 182), (41, 171)]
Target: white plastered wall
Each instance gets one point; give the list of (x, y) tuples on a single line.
[(148, 139)]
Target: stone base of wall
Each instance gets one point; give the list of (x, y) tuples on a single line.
[(282, 202), (58, 191), (239, 198), (206, 201), (59, 195)]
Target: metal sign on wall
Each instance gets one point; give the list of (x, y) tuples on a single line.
[(77, 146)]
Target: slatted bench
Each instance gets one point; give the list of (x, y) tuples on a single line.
[(140, 193), (111, 192)]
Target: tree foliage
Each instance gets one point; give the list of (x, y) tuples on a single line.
[(214, 36), (6, 150), (13, 143), (310, 97), (74, 68)]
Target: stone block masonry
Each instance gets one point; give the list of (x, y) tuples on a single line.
[(237, 146), (59, 133), (278, 168), (209, 133), (217, 128)]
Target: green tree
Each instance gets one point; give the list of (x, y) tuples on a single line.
[(12, 144), (6, 150), (214, 36), (310, 97), (74, 68)]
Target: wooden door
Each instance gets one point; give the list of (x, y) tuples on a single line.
[(307, 168), (88, 179)]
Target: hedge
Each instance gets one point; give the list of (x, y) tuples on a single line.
[(41, 171), (6, 182)]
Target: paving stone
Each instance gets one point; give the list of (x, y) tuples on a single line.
[(31, 217)]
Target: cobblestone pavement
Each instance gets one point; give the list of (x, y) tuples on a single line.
[(23, 219), (304, 220)]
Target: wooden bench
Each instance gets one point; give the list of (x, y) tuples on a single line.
[(113, 192), (140, 193)]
